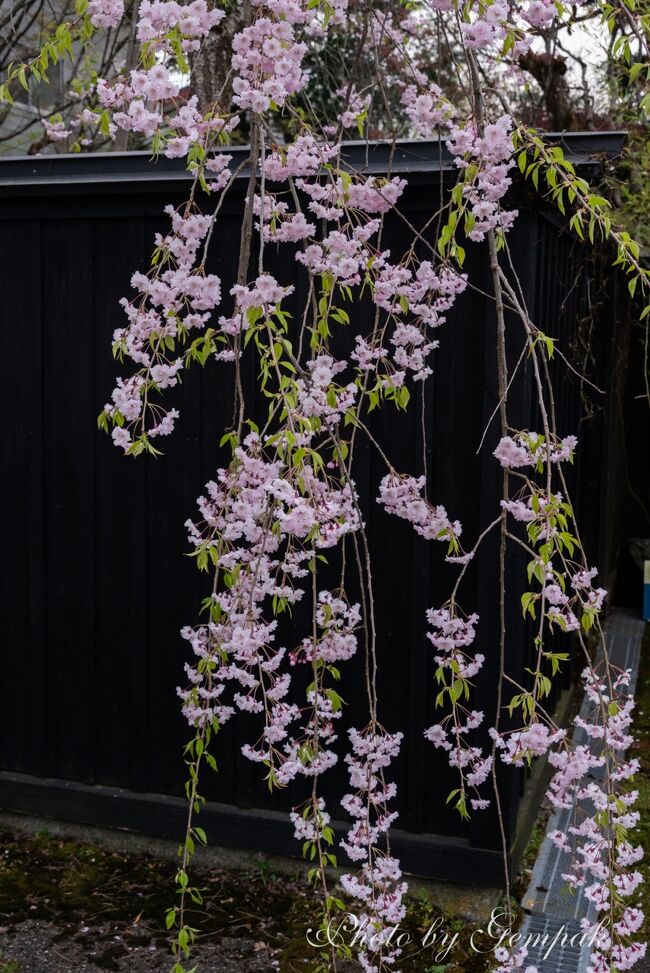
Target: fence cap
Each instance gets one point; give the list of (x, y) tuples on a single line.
[(44, 173)]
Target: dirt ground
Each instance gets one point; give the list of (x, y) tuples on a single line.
[(37, 946), (76, 907)]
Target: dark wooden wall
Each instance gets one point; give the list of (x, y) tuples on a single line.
[(95, 584)]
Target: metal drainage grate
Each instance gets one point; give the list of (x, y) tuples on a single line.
[(548, 894), (551, 907), (550, 949)]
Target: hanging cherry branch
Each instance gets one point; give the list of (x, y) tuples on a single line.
[(284, 510)]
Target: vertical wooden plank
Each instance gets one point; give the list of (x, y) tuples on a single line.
[(24, 732), (69, 412)]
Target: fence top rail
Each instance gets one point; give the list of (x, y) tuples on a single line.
[(137, 170)]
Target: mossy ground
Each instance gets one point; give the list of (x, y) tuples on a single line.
[(113, 903)]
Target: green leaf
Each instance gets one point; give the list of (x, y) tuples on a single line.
[(528, 603)]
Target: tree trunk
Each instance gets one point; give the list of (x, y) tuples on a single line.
[(550, 73), (210, 66)]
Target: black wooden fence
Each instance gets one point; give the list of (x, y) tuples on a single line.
[(95, 585)]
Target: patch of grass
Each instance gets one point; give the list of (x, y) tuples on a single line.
[(12, 966)]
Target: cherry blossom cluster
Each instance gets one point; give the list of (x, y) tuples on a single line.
[(521, 746), (345, 254), (483, 155), (489, 26), (452, 636), (568, 596), (319, 397), (254, 523), (148, 103), (267, 55), (174, 299), (593, 779), (426, 108), (337, 621), (260, 529), (425, 295), (485, 160), (512, 960), (531, 449), (311, 823), (254, 302), (592, 774), (81, 127), (277, 224), (309, 751), (331, 199), (303, 157), (566, 609), (105, 13), (395, 285), (402, 496), (268, 61), (56, 131), (355, 105), (492, 24), (193, 21), (378, 887)]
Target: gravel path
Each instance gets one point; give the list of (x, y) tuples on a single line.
[(41, 947)]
